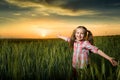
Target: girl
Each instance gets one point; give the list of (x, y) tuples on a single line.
[(82, 42)]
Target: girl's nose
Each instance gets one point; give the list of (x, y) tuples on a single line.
[(80, 35)]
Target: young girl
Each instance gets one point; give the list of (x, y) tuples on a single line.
[(82, 42)]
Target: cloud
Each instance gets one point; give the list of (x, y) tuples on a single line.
[(46, 9), (17, 14), (89, 4), (74, 9), (6, 5)]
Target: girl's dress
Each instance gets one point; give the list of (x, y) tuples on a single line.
[(80, 53)]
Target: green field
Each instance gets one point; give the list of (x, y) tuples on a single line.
[(50, 59)]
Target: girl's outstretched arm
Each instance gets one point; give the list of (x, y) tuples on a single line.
[(112, 60), (63, 37)]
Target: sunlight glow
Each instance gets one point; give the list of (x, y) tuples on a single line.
[(43, 33)]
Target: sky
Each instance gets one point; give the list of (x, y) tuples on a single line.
[(48, 18)]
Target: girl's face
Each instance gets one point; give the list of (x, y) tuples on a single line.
[(79, 34)]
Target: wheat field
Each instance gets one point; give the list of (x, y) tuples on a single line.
[(51, 59)]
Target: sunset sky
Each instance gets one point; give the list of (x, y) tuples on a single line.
[(47, 18)]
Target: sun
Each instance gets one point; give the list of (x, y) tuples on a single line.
[(43, 34)]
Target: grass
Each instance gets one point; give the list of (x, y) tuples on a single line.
[(51, 59)]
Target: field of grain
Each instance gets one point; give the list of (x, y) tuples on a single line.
[(51, 59)]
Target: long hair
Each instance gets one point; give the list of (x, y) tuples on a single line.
[(87, 35)]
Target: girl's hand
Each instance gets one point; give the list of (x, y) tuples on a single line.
[(114, 62)]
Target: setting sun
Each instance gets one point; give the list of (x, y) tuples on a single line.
[(43, 34)]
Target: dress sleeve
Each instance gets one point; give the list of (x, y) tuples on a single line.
[(90, 47), (67, 39)]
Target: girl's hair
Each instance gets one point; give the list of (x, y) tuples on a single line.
[(87, 35)]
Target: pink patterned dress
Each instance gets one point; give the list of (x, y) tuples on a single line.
[(80, 54)]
